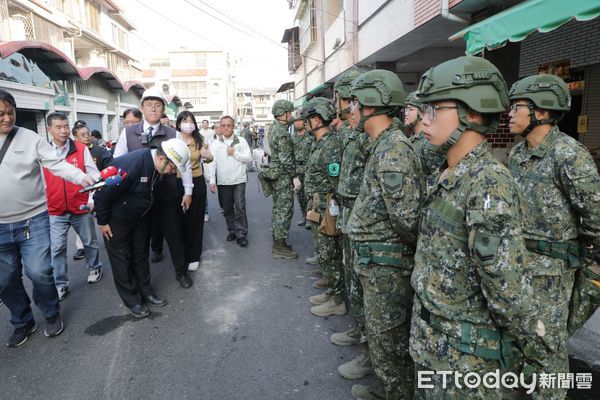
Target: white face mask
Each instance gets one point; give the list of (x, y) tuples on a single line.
[(187, 127)]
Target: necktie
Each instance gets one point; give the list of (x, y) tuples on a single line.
[(149, 134)]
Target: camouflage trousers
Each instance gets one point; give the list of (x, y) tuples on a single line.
[(352, 285), (388, 299), (329, 256), (553, 294), (434, 351), (283, 207), (301, 196)]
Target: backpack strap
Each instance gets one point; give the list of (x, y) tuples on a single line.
[(9, 138)]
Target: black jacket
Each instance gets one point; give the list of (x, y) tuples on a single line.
[(130, 201), (101, 156)]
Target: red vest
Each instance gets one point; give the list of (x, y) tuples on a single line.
[(63, 196)]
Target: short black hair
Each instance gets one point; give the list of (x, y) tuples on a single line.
[(227, 117), (7, 98), (55, 115), (135, 111), (163, 116), (96, 133), (205, 120)]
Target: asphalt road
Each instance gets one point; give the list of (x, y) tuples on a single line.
[(243, 331)]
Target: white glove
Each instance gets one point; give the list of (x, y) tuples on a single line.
[(297, 184)]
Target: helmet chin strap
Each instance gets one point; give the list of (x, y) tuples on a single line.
[(463, 125), (534, 122), (365, 118)]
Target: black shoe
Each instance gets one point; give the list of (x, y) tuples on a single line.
[(156, 256), (139, 311), (184, 281), (79, 254), (231, 237), (154, 300), (243, 242), (54, 326), (21, 334)]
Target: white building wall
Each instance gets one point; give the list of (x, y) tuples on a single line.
[(393, 21)]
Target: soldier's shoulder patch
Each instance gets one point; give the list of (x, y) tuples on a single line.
[(333, 169), (392, 181)]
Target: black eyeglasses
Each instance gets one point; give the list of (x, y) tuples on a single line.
[(515, 107), (431, 111)]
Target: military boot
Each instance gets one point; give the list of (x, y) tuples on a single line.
[(348, 338), (357, 368), (372, 392), (312, 260), (319, 299), (320, 284), (334, 306), (280, 250)]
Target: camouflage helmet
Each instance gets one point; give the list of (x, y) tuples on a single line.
[(548, 92), (378, 88), (412, 99), (472, 80), (344, 83), (319, 106), (297, 114), (281, 107)]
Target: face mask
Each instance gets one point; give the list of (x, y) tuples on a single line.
[(187, 127)]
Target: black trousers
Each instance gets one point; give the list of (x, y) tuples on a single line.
[(234, 206), (128, 255), (166, 218), (193, 220)]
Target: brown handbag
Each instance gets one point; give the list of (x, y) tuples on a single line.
[(328, 226)]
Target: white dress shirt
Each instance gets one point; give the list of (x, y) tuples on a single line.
[(226, 169), (121, 148)]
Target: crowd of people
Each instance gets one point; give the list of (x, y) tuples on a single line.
[(449, 261), (146, 189)]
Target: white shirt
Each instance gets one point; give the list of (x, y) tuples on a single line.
[(208, 135), (225, 169), (121, 148)]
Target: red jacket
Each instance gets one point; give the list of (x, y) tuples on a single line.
[(62, 196)]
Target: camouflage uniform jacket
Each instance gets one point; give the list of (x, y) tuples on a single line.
[(322, 167), (282, 151), (302, 145), (387, 208), (354, 154), (560, 188), (430, 160), (469, 258)]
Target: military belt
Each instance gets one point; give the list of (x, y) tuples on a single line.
[(567, 251), (468, 343), (389, 253)]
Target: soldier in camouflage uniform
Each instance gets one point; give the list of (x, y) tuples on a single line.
[(354, 154), (383, 230), (472, 295), (560, 189), (430, 157), (281, 171), (321, 180), (302, 144)]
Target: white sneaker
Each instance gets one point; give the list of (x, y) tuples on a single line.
[(206, 218), (193, 266), (62, 292), (94, 275)]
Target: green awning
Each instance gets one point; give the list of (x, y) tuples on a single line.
[(299, 102), (516, 23), (317, 90)]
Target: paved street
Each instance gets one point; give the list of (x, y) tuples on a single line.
[(244, 331)]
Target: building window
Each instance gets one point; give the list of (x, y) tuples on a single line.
[(93, 16), (332, 9), (200, 60), (308, 27)]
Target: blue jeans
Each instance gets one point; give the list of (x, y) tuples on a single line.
[(19, 252), (59, 229)]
